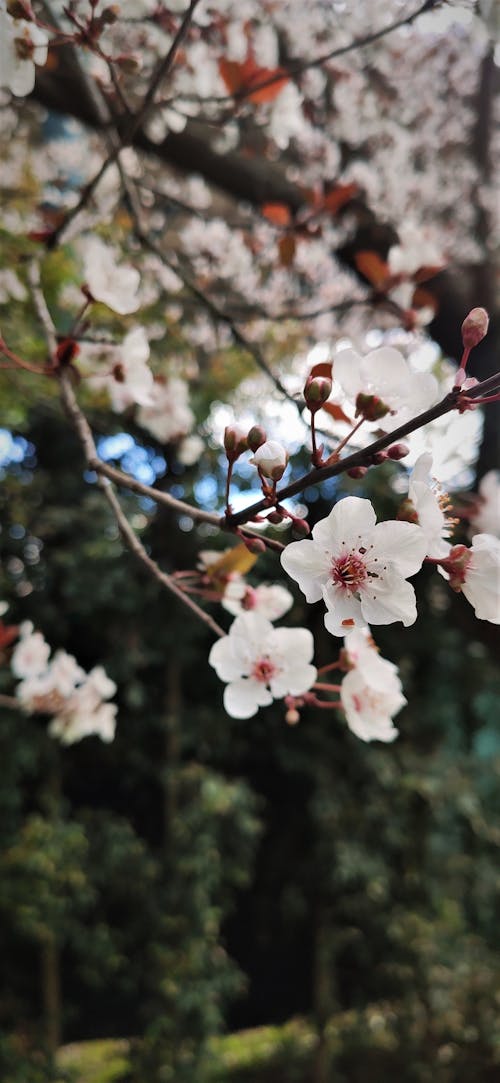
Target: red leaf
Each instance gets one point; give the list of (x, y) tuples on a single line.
[(336, 412), (338, 196), (324, 368), (277, 213), (8, 633), (424, 273), (287, 246), (373, 267), (240, 78)]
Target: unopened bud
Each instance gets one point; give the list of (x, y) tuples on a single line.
[(456, 565), (275, 517), (292, 717), (256, 437), (109, 15), (255, 545), (316, 391), (398, 451), (19, 10), (128, 63), (379, 457), (357, 471), (371, 407), (67, 350), (301, 528), (271, 459), (474, 327), (235, 442)]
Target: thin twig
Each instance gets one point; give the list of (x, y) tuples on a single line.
[(42, 308), (364, 457), (10, 702), (128, 133), (84, 433)]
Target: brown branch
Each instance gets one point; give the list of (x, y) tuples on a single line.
[(11, 703), (128, 133), (132, 542), (364, 457), (296, 68)]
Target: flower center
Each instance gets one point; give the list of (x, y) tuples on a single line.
[(263, 670), (349, 571), (249, 600)]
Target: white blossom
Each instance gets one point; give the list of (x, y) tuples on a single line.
[(358, 567), (130, 380), (260, 663), (112, 285), (371, 693), (271, 601), (385, 375), (271, 458), (428, 504), (168, 414), (477, 575), (31, 653), (22, 45), (486, 516)]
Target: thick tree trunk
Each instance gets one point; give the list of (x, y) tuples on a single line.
[(51, 993)]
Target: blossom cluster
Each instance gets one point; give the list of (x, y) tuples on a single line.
[(58, 686)]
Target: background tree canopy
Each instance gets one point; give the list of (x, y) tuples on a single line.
[(239, 900)]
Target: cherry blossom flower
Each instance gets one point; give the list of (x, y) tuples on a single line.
[(108, 283), (486, 516), (371, 693), (271, 601), (428, 506), (271, 458), (476, 572), (167, 415), (190, 449), (358, 567), (260, 663), (22, 45), (369, 710), (131, 381), (383, 386), (31, 654), (84, 713)]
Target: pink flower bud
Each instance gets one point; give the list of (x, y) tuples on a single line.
[(357, 471), (255, 545), (275, 517), (292, 717), (380, 457), (301, 528), (474, 327), (271, 459), (256, 437), (370, 406), (316, 391), (235, 442), (397, 451)]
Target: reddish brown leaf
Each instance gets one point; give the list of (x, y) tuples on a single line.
[(240, 78), (338, 196), (277, 213), (336, 412), (287, 246), (324, 368), (373, 267), (424, 273), (424, 299), (8, 633)]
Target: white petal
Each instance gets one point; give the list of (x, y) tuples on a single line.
[(347, 370), (349, 522), (294, 682), (243, 698), (222, 658), (341, 608), (400, 544), (309, 565), (391, 599)]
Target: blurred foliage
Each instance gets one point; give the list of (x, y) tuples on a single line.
[(203, 873)]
